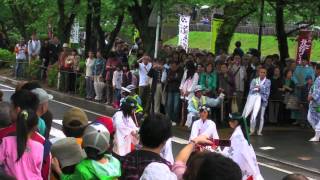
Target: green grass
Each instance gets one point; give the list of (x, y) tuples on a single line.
[(269, 45)]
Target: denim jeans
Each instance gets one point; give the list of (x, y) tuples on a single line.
[(173, 106), (19, 70), (89, 88)]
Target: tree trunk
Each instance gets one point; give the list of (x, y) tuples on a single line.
[(140, 15), (88, 27), (114, 34), (225, 35), (233, 14), (64, 22), (281, 32), (99, 34)]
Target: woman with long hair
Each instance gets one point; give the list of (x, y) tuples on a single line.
[(126, 130), (20, 155), (241, 151), (188, 83)]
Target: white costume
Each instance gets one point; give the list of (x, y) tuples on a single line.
[(257, 101), (123, 138), (206, 127), (166, 152), (243, 154)]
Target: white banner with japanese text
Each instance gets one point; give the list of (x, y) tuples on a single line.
[(184, 32), (75, 32)]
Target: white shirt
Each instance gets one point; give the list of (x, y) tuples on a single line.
[(89, 66), (143, 74), (117, 79), (206, 127), (21, 54), (122, 137), (166, 152)]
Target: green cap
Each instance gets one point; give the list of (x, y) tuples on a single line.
[(235, 116)]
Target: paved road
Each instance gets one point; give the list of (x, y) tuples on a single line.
[(269, 169)]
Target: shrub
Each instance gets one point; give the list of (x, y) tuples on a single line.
[(6, 57), (53, 76), (80, 85), (34, 69)]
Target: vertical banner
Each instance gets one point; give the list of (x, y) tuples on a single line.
[(215, 26), (75, 32), (304, 46), (184, 32)]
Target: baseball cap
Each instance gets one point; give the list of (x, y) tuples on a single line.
[(42, 95), (107, 122), (67, 151), (97, 137), (75, 115)]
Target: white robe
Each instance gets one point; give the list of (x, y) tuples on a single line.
[(166, 152), (243, 154), (123, 139), (206, 127)]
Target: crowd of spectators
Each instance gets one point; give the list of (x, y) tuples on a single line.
[(165, 84)]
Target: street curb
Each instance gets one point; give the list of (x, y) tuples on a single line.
[(109, 109), (295, 165)]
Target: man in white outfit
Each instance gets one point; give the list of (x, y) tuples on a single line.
[(257, 100)]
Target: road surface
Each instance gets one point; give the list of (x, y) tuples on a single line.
[(270, 170)]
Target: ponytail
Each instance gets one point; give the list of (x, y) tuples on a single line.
[(26, 123)]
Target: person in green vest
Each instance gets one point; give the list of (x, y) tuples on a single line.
[(98, 165), (198, 100)]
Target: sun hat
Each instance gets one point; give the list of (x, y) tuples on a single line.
[(72, 115), (67, 151)]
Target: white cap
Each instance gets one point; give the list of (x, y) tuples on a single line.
[(198, 88), (65, 45), (42, 95)]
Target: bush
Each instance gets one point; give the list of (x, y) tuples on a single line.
[(53, 76), (6, 57), (82, 65), (34, 69), (80, 85)]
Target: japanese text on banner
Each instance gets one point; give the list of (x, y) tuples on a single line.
[(184, 32)]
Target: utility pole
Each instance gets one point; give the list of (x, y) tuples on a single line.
[(261, 25), (157, 31)]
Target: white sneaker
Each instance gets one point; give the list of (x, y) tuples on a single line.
[(314, 139), (174, 123), (251, 133), (259, 134)]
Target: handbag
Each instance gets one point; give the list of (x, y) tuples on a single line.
[(292, 102)]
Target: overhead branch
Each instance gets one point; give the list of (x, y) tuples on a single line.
[(299, 28)]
